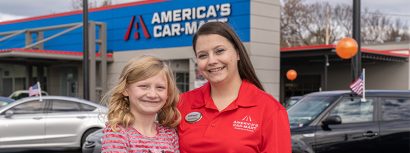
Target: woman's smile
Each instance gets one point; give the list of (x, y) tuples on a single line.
[(216, 69)]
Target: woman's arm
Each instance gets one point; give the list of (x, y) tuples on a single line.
[(276, 133)]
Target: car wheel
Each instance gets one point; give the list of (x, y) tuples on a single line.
[(86, 133)]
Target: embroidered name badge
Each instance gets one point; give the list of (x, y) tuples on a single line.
[(193, 117)]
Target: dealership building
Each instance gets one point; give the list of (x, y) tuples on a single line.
[(49, 49), (320, 69)]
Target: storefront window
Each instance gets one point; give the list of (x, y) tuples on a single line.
[(182, 79)]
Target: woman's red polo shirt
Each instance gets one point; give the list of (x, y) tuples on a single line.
[(254, 123)]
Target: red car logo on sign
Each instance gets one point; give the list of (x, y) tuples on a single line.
[(137, 26)]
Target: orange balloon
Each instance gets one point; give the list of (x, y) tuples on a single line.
[(291, 74), (346, 48)]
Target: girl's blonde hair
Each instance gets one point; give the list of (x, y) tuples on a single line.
[(139, 69)]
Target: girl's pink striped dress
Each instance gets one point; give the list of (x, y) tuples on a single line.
[(129, 140)]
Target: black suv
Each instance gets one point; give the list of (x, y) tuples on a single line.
[(341, 122)]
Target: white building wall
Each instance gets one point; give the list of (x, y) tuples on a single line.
[(404, 69), (264, 43), (388, 76), (380, 75)]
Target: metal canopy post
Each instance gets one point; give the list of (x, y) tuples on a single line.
[(86, 76)]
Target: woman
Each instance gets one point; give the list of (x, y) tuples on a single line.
[(231, 113), (142, 110)]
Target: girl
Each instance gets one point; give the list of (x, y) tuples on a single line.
[(142, 110)]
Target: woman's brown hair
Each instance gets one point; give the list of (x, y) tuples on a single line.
[(246, 70)]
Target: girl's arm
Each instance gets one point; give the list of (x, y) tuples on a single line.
[(176, 142)]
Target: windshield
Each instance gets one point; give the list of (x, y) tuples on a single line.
[(307, 109), (292, 101)]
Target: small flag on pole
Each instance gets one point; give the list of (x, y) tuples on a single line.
[(358, 85), (34, 90)]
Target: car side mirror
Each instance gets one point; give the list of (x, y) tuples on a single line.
[(331, 120), (9, 114)]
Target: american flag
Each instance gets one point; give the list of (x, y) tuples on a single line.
[(34, 90), (358, 85)]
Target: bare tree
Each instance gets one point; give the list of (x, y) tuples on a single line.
[(322, 23), (397, 31), (293, 16), (374, 27), (342, 16)]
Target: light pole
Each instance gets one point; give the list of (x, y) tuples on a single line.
[(356, 60), (86, 75)]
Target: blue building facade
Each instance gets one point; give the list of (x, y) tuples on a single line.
[(158, 24), (162, 28)]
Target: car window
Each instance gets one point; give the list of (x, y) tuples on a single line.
[(86, 107), (22, 95), (30, 107), (396, 109), (353, 110), (292, 101), (307, 109), (64, 106), (13, 96)]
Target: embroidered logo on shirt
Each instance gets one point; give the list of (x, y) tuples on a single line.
[(247, 118), (245, 124)]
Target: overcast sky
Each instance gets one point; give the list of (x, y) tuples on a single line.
[(16, 9), (394, 8)]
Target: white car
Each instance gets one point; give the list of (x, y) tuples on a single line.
[(16, 95), (54, 122)]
